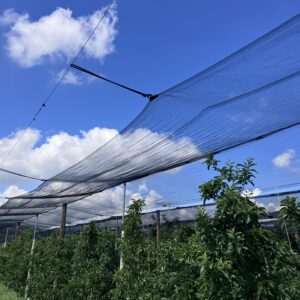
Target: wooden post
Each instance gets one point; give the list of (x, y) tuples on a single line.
[(158, 226), (18, 229), (63, 220), (123, 216)]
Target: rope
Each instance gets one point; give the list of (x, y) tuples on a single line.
[(149, 96), (21, 175)]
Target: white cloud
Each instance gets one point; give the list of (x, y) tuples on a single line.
[(10, 191), (143, 187), (9, 17), (58, 35), (41, 158), (187, 214), (124, 156), (59, 151), (270, 207), (44, 158), (284, 160), (256, 192), (252, 193), (153, 199), (110, 202), (135, 196), (73, 78), (99, 206), (69, 78), (140, 141), (96, 207)]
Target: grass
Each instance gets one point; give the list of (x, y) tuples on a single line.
[(6, 294)]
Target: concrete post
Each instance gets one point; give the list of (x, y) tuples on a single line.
[(32, 249), (158, 226), (123, 217), (6, 237), (63, 220)]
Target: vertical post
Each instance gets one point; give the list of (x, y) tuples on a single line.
[(63, 220), (158, 226), (34, 234), (32, 249), (123, 216), (6, 237), (124, 199), (18, 229), (195, 211)]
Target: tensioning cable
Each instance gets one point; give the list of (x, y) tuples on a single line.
[(21, 175)]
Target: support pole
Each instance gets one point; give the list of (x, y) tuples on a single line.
[(195, 212), (288, 237), (158, 227), (123, 217), (286, 230), (18, 229), (149, 96), (32, 249), (63, 220), (6, 237), (34, 234), (124, 204)]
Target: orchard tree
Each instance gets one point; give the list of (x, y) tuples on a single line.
[(236, 257), (94, 264), (289, 219)]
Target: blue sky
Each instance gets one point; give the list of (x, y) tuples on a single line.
[(158, 44)]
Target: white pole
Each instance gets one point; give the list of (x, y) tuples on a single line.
[(195, 212), (288, 237), (6, 236), (34, 234), (32, 249), (123, 216), (286, 230)]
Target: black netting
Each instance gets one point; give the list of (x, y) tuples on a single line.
[(251, 94)]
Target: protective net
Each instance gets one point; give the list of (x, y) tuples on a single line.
[(169, 217), (247, 96)]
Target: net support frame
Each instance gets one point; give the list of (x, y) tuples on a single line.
[(245, 97)]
